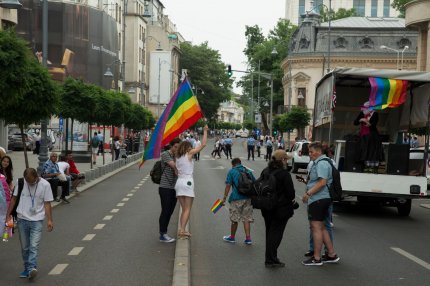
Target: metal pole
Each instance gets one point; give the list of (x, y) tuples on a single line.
[(329, 37), (398, 55), (271, 104), (290, 91), (124, 13), (158, 97), (258, 91), (252, 97), (43, 155)]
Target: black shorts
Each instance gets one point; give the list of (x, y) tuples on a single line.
[(317, 211), (77, 176)]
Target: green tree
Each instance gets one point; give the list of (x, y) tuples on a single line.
[(296, 118), (15, 59), (137, 119), (208, 73), (335, 15), (259, 52), (39, 101), (399, 5)]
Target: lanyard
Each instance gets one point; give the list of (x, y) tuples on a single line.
[(34, 194)]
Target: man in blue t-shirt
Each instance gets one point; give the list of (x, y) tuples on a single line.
[(228, 143), (251, 146), (317, 197), (240, 205)]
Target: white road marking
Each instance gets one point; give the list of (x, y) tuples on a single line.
[(137, 188), (99, 226), (89, 236), (140, 184), (120, 204), (125, 199), (412, 257), (130, 195), (427, 206), (133, 191), (108, 217), (114, 210), (58, 269), (75, 251)]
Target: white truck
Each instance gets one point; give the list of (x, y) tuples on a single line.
[(402, 175)]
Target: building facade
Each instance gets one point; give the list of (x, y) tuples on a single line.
[(355, 42), (418, 18), (369, 8), (231, 112)]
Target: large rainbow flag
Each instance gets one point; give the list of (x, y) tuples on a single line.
[(182, 112), (387, 93)]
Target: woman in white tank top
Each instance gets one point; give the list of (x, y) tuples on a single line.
[(185, 184)]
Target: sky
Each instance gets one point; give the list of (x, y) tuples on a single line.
[(222, 24)]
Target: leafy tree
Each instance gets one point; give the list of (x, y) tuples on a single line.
[(260, 57), (15, 59), (335, 15), (296, 118), (39, 100), (249, 125), (207, 72), (137, 119), (399, 5)]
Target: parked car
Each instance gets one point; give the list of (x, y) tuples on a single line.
[(238, 134), (299, 154), (51, 139), (15, 142)]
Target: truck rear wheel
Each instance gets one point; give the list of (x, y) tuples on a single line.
[(404, 207)]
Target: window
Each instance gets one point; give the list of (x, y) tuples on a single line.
[(386, 8), (374, 9), (360, 7)]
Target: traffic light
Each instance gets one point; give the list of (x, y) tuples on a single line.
[(229, 72), (275, 132)]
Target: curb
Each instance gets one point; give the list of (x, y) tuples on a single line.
[(182, 263)]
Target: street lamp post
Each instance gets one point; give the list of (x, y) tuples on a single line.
[(399, 67), (43, 155)]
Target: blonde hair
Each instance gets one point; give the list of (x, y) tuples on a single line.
[(2, 153), (183, 148)]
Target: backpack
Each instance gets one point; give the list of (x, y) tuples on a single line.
[(156, 172), (266, 197), (20, 188), (94, 142), (245, 185), (335, 189)]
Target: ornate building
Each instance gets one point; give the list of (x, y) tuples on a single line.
[(418, 18), (381, 43), (230, 111)]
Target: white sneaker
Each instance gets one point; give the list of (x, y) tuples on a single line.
[(32, 274), (166, 238)]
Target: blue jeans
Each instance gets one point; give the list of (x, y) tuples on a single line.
[(30, 233), (327, 222)]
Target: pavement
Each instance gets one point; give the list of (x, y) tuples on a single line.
[(182, 263)]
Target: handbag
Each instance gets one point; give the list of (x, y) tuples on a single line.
[(62, 177)]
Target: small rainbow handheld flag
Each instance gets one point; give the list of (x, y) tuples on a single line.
[(216, 206), (182, 112), (385, 93)]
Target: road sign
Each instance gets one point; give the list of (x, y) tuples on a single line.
[(257, 118), (60, 123)]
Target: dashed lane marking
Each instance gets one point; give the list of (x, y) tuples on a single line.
[(137, 188), (108, 217), (100, 226), (120, 204), (427, 206), (125, 199), (58, 269), (140, 184), (75, 251), (412, 257), (114, 210), (133, 191), (89, 237), (130, 195)]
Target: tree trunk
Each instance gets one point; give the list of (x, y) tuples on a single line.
[(89, 144), (67, 134), (265, 124), (21, 128), (103, 146)]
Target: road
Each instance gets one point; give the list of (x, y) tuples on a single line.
[(376, 246)]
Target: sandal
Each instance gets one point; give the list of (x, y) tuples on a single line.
[(184, 234)]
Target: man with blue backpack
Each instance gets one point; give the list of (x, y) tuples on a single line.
[(240, 205)]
